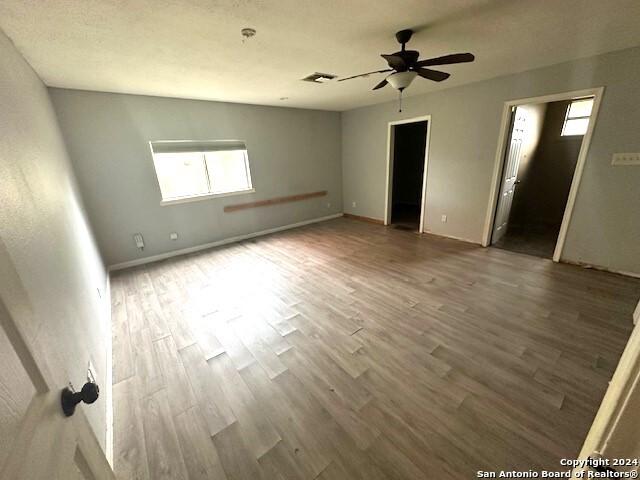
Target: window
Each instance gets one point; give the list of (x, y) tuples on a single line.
[(196, 170), (576, 120)]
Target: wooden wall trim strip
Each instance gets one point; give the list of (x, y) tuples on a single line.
[(364, 219), (274, 201)]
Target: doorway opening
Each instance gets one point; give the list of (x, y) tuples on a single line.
[(545, 146), (406, 180)]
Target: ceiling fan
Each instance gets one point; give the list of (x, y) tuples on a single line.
[(406, 66)]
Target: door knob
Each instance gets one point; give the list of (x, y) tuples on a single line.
[(69, 399)]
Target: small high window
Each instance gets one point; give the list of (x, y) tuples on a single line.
[(576, 120), (197, 170)]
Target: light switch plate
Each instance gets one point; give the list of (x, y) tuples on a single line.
[(625, 159)]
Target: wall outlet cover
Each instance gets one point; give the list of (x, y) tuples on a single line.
[(444, 219), (353, 204), (138, 240), (173, 236)]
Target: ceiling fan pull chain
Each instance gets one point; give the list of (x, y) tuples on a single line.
[(399, 101)]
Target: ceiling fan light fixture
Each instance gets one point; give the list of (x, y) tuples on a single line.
[(401, 80)]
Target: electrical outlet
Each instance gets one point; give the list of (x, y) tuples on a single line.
[(138, 240), (328, 204), (173, 236), (444, 219), (353, 204)]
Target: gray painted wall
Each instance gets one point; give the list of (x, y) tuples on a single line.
[(46, 245), (605, 229), (290, 151)]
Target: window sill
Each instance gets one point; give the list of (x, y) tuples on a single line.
[(206, 196)]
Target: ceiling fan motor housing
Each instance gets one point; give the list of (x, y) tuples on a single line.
[(403, 36)]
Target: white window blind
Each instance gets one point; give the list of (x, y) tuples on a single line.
[(577, 117), (188, 169)]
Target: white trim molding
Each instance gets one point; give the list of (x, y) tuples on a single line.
[(602, 268), (217, 243), (597, 93), (613, 412), (389, 175), (204, 196), (109, 379)]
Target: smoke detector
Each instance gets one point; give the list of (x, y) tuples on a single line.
[(247, 33)]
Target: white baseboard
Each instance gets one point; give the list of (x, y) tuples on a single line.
[(600, 268), (184, 251), (622, 272), (452, 237)]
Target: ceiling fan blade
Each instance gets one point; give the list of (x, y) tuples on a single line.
[(365, 74), (434, 75), (447, 60), (380, 85), (396, 62)]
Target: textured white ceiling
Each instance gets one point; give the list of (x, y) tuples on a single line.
[(193, 48)]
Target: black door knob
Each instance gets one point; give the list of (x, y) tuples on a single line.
[(69, 399)]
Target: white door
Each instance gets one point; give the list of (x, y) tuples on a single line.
[(36, 440), (510, 173)]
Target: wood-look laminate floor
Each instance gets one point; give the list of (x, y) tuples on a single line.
[(344, 350)]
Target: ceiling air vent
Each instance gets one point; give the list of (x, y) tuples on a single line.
[(319, 77)]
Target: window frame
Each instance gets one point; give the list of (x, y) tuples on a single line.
[(580, 117), (187, 147)]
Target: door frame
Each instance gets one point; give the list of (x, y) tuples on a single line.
[(390, 159), (612, 414), (597, 93)]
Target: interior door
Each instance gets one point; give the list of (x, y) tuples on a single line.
[(36, 440), (510, 173)]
